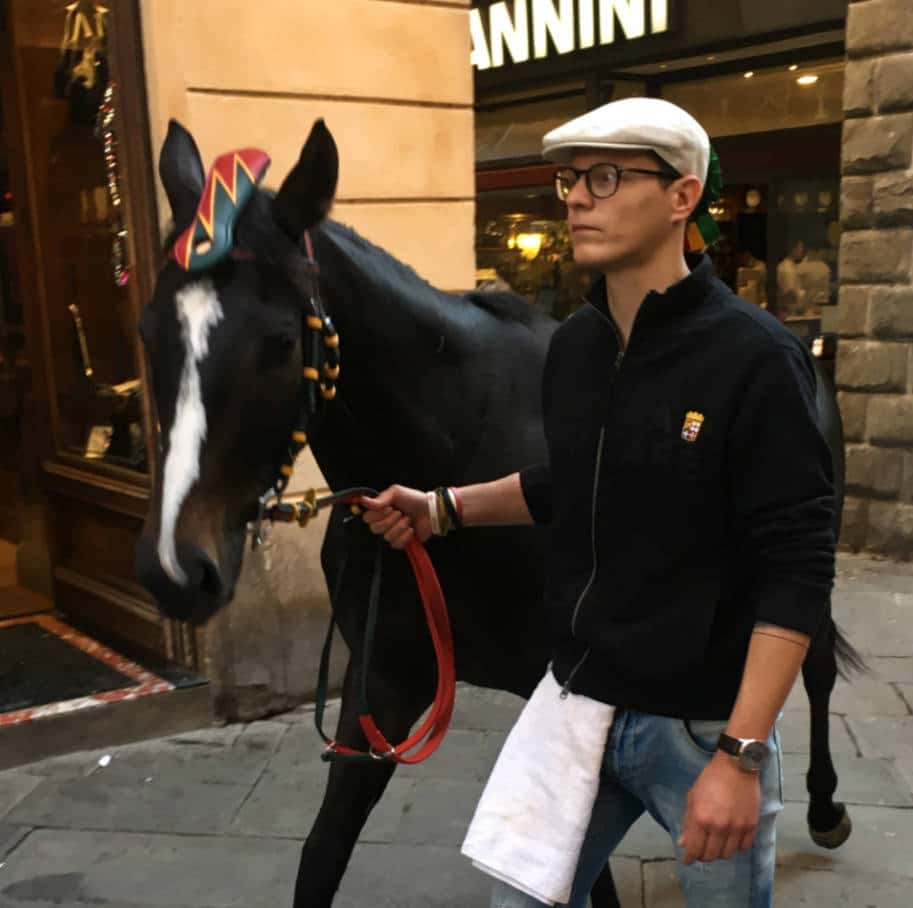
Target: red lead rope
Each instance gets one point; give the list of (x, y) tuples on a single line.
[(435, 726), (427, 738)]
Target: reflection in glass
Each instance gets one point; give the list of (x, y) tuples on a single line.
[(772, 99), (779, 235), (15, 369), (62, 54), (522, 243)]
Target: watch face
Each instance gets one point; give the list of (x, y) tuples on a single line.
[(753, 755)]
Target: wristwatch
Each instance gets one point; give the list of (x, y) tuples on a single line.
[(750, 754)]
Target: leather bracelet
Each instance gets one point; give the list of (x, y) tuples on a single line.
[(433, 514), (443, 517), (458, 501), (446, 496)]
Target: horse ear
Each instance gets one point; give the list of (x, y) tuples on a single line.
[(307, 194), (181, 172)]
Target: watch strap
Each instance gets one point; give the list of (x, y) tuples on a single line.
[(729, 745)]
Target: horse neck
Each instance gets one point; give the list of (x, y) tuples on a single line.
[(380, 301), (399, 338)]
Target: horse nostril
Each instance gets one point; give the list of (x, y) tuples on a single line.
[(203, 576), (196, 600), (210, 580)]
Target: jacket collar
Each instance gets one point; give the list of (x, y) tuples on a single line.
[(660, 307)]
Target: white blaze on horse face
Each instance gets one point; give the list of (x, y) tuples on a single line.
[(198, 311)]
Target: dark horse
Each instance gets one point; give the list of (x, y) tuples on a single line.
[(435, 389)]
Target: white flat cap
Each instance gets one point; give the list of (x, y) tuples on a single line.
[(635, 124)]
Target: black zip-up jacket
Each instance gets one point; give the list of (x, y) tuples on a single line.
[(689, 495)]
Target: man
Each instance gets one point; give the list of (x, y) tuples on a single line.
[(790, 295), (690, 504)]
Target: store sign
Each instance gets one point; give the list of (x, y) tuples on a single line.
[(538, 29)]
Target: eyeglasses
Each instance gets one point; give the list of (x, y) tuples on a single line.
[(602, 180)]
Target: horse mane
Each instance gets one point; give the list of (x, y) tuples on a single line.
[(388, 274), (504, 304)]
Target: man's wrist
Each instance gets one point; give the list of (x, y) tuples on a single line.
[(747, 754), (445, 511), (730, 765)]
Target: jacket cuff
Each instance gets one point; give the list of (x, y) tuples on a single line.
[(536, 484), (793, 606)]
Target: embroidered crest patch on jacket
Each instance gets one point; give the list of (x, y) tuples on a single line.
[(692, 426)]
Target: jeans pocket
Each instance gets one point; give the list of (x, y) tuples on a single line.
[(777, 755), (703, 734)]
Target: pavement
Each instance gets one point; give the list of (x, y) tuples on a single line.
[(215, 818)]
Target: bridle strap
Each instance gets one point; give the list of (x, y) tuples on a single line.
[(319, 372)]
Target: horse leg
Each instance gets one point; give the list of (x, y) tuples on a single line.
[(828, 822), (352, 790), (603, 894)]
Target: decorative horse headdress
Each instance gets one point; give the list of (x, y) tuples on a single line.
[(231, 182)]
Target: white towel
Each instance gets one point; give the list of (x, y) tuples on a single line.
[(530, 823)]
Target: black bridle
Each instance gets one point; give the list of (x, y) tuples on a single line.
[(320, 356), (209, 239)]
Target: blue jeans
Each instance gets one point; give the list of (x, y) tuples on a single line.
[(650, 764)]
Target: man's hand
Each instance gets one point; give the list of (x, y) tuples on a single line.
[(722, 812), (399, 515)]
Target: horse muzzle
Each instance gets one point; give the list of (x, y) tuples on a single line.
[(198, 598)]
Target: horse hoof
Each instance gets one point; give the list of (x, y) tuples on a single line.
[(834, 838)]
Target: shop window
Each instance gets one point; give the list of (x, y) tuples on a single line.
[(511, 128), (780, 229), (62, 62), (522, 244), (764, 101), (779, 246), (15, 372)]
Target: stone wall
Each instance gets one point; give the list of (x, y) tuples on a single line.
[(394, 84), (875, 357)]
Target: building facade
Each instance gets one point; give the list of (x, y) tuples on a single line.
[(438, 109)]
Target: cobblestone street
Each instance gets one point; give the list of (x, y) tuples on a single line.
[(215, 818)]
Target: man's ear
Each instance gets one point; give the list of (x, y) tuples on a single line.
[(181, 172), (307, 193), (686, 193)]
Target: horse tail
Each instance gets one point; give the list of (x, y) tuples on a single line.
[(849, 659)]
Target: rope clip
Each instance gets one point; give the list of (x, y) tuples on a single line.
[(256, 530), (382, 756)]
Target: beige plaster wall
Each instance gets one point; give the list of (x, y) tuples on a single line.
[(393, 81)]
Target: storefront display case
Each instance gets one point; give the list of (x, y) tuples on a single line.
[(85, 199)]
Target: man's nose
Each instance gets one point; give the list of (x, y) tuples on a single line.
[(579, 196)]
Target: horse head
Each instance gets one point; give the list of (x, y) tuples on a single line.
[(227, 341)]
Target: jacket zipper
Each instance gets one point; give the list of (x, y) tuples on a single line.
[(566, 687)]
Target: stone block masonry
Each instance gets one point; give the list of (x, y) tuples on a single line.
[(875, 356)]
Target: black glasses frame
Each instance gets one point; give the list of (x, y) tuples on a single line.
[(586, 174)]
